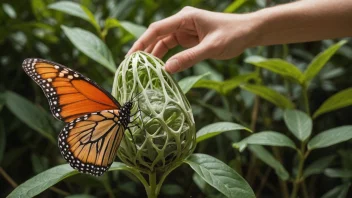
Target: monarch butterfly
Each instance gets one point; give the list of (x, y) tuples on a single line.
[(95, 120)]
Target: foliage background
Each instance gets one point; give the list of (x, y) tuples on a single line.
[(28, 132)]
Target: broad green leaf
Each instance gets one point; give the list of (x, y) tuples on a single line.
[(30, 114), (269, 138), (278, 66), (320, 60), (2, 140), (338, 173), (91, 46), (234, 6), (318, 166), (269, 159), (220, 176), (187, 83), (8, 9), (338, 192), (48, 178), (331, 137), (270, 95), (337, 101), (109, 24), (224, 87), (75, 9), (217, 128), (299, 123), (134, 29)]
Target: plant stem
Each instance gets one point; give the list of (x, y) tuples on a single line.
[(151, 189), (8, 178), (305, 98), (299, 179)]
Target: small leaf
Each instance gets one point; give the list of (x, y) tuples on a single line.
[(224, 87), (220, 176), (109, 24), (337, 101), (331, 137), (278, 66), (338, 173), (134, 29), (269, 138), (2, 140), (269, 159), (320, 60), (187, 83), (28, 113), (318, 166), (338, 191), (217, 128), (8, 9), (48, 178), (299, 123), (91, 46), (75, 9), (270, 95)]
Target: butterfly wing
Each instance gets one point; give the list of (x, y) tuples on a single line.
[(89, 143), (70, 94)]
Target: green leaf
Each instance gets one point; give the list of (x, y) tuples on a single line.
[(299, 123), (91, 46), (217, 128), (269, 138), (337, 101), (77, 10), (318, 166), (187, 83), (220, 176), (30, 114), (270, 95), (320, 60), (338, 191), (278, 66), (134, 29), (331, 137), (225, 87), (8, 9), (269, 159), (109, 24), (338, 173), (48, 178), (235, 5), (2, 140)]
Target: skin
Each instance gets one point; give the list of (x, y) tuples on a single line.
[(214, 35)]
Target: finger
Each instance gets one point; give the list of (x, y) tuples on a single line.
[(187, 58), (150, 48), (164, 45), (160, 28)]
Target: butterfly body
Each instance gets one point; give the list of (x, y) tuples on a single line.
[(95, 121)]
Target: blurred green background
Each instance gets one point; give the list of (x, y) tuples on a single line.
[(28, 131)]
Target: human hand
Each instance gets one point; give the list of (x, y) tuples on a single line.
[(206, 35)]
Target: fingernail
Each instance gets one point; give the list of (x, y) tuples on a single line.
[(172, 66)]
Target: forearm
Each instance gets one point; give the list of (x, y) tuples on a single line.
[(302, 21)]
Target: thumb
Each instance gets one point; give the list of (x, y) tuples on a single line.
[(187, 58)]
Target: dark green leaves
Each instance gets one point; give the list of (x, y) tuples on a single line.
[(187, 83), (270, 95), (30, 114), (318, 166), (320, 60), (48, 178), (91, 46), (134, 29), (269, 138), (299, 123), (337, 101), (331, 137), (217, 128), (220, 176), (278, 66)]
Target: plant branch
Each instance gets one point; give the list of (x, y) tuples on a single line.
[(305, 98), (8, 178), (299, 179)]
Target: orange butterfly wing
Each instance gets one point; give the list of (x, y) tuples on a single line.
[(90, 143), (70, 94)]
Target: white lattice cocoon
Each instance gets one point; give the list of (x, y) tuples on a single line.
[(165, 131)]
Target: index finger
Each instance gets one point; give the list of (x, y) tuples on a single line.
[(155, 30)]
